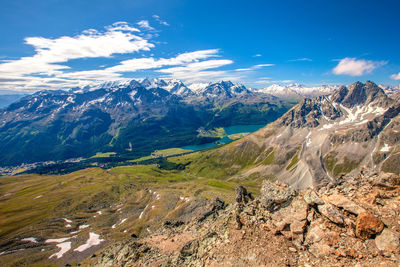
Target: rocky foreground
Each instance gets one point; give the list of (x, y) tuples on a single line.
[(353, 222)]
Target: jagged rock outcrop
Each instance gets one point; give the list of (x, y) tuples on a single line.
[(352, 222), (274, 195)]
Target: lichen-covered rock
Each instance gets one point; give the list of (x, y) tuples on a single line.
[(331, 212), (367, 225), (273, 196), (311, 198)]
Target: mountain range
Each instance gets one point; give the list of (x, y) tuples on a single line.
[(311, 186), (296, 91), (318, 140), (128, 117)]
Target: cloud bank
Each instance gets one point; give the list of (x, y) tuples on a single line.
[(395, 76), (356, 67), (48, 67)]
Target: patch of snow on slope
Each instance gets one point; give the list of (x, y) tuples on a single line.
[(83, 226), (93, 240), (308, 143), (64, 247), (141, 214), (385, 148), (30, 239)]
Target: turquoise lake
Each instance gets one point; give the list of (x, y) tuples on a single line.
[(228, 130)]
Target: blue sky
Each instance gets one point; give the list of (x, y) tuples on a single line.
[(52, 44)]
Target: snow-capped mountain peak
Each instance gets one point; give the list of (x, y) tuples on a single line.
[(297, 90)]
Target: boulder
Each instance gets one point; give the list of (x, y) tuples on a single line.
[(298, 209), (311, 198), (387, 241), (298, 227), (242, 196), (344, 203), (273, 196), (331, 212), (387, 180), (319, 240), (367, 225)]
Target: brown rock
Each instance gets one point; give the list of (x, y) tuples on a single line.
[(299, 209), (298, 227), (387, 180), (332, 238), (273, 195), (297, 240), (315, 233), (344, 203), (331, 212), (310, 216), (367, 224), (311, 198), (287, 234), (373, 196), (387, 241)]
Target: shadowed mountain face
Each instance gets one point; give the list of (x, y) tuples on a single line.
[(319, 140), (117, 116)]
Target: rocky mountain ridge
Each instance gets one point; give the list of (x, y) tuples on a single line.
[(320, 139), (351, 222)]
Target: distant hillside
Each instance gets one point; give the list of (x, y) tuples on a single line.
[(132, 118)]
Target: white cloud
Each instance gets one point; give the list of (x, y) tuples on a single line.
[(198, 66), (200, 71), (257, 55), (144, 24), (395, 76), (157, 18), (255, 67), (47, 68), (263, 65), (189, 61), (356, 67), (117, 39), (300, 59), (151, 63), (267, 81), (121, 26)]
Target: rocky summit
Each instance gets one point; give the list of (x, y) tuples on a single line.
[(352, 222)]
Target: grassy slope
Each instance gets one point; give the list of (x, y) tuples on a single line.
[(79, 195)]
